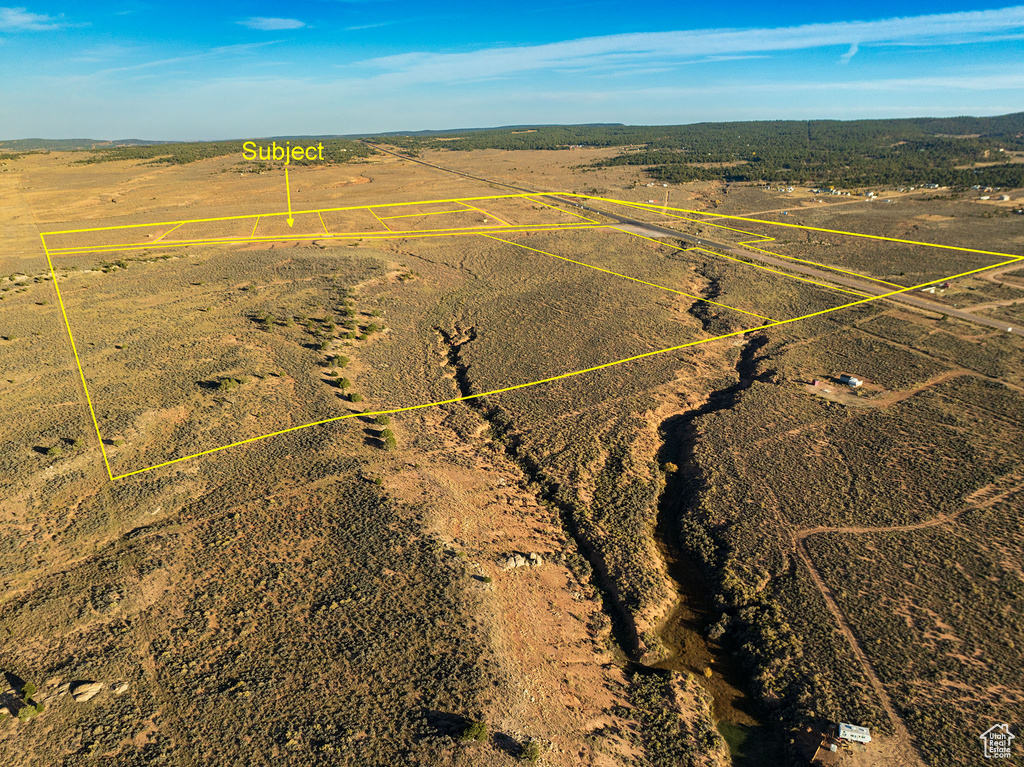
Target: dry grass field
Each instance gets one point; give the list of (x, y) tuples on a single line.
[(349, 593)]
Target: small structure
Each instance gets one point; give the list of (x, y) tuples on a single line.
[(853, 383), (854, 733)]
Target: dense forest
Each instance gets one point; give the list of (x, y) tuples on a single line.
[(943, 151), (954, 151), (335, 151)]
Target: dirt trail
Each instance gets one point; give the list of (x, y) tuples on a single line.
[(985, 497), (20, 247), (906, 751), (941, 519), (797, 206), (941, 360), (890, 397), (994, 273), (997, 304)]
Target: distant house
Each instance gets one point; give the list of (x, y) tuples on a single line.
[(850, 381), (854, 733)]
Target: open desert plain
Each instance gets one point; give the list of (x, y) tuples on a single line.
[(477, 455)]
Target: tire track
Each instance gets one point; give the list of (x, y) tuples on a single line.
[(979, 499)]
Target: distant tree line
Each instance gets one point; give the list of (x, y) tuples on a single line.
[(824, 152), (335, 151)]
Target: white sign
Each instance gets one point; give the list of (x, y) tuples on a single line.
[(996, 741)]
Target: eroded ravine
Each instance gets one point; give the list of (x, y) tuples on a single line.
[(693, 634), (684, 633), (622, 623)]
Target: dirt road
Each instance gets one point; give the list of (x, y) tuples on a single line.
[(653, 230)]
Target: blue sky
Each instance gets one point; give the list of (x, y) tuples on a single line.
[(197, 70)]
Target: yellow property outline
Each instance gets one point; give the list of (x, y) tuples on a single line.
[(486, 231), (765, 238)]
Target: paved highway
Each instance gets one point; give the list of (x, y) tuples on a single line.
[(653, 230)]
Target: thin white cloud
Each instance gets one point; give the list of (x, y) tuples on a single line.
[(236, 107), (845, 58), (223, 50), (19, 19), (266, 24), (101, 53), (369, 26), (995, 82), (662, 47), (1005, 81)]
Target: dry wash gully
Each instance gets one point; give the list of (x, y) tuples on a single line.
[(251, 150)]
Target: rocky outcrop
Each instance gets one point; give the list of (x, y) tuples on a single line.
[(533, 559), (83, 691)]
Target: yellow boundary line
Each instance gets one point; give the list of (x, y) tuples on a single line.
[(488, 214), (748, 263), (386, 227), (253, 233), (1012, 258), (761, 238), (78, 361), (627, 277), (162, 236), (322, 223), (315, 210), (563, 210), (534, 194), (764, 268), (432, 213), (558, 377), (389, 235), (798, 226)]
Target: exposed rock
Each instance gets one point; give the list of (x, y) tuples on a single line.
[(83, 691), (119, 688), (63, 689), (533, 559)]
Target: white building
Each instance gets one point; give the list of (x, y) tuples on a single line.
[(855, 733)]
